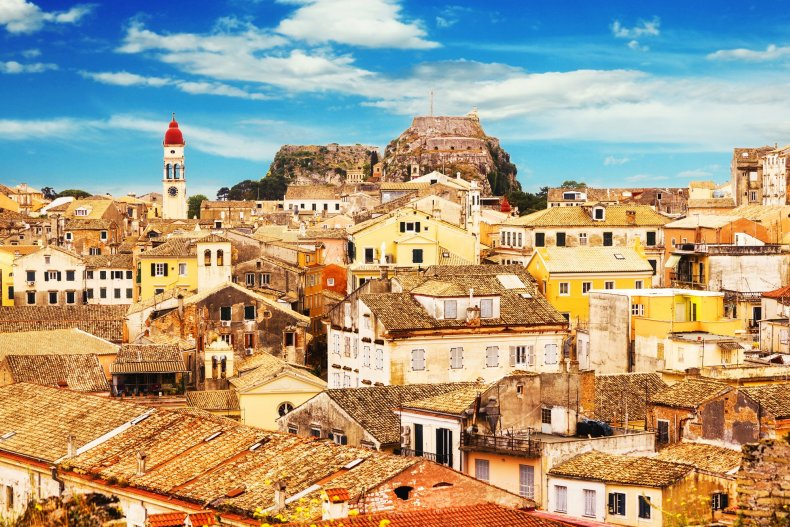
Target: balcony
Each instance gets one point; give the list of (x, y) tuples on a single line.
[(517, 445), (442, 459), (687, 280)]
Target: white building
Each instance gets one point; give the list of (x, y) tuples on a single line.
[(775, 180), (109, 279), (316, 198), (174, 181), (49, 276)]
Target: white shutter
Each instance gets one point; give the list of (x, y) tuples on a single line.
[(512, 356)]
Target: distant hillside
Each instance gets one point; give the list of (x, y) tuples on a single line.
[(451, 145)]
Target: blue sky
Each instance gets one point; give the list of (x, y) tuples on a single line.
[(611, 93)]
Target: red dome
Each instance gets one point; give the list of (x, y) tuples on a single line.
[(173, 135), (504, 206)]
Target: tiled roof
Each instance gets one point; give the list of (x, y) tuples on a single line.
[(148, 358), (214, 400), (619, 393), (783, 293), (448, 257), (340, 234), (709, 458), (453, 402), (611, 194), (109, 261), (82, 373), (593, 260), (42, 418), (212, 238), (174, 247), (88, 224), (372, 407), (689, 393), (620, 469), (440, 288), (154, 301), (312, 192), (104, 321), (271, 304), (402, 185), (482, 515), (579, 217), (264, 366), (775, 398), (178, 519), (54, 342), (720, 203)]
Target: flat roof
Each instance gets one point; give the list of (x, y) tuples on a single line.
[(658, 291)]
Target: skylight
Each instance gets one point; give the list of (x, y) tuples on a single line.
[(619, 256), (510, 281)]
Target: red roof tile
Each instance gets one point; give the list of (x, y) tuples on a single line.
[(178, 519), (338, 495)]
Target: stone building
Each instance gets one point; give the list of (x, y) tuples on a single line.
[(745, 174)]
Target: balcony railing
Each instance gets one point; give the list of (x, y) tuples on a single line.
[(442, 459), (514, 445)]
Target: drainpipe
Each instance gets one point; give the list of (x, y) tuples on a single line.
[(53, 470)]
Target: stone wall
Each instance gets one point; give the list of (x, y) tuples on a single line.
[(764, 483)]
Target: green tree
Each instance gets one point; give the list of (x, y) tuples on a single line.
[(573, 184), (194, 205), (527, 202), (75, 193), (246, 190), (222, 194), (49, 193)]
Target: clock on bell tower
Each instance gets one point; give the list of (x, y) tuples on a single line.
[(174, 183)]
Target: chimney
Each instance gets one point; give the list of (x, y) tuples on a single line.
[(70, 450), (630, 217), (279, 495), (181, 305), (457, 175), (141, 455), (334, 504)]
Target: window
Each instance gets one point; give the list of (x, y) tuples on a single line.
[(339, 437), (487, 308), (69, 237), (336, 347), (456, 358), (582, 238), (53, 297), (651, 239), (451, 309), (103, 292), (225, 313), (346, 380), (607, 239), (644, 507), (379, 359), (608, 285), (220, 257), (560, 239), (117, 275), (293, 429), (565, 288), (158, 269), (654, 265), (102, 275), (182, 269), (417, 359), (31, 297), (103, 236), (550, 354), (266, 278), (599, 213), (540, 239), (128, 275), (617, 503), (663, 431), (207, 257), (128, 292), (47, 259), (285, 408), (249, 312), (526, 481), (719, 501), (315, 431), (416, 255), (521, 356), (589, 503), (492, 357), (157, 291), (116, 292), (545, 416), (330, 282), (30, 276), (347, 346), (638, 284), (368, 255), (9, 497), (52, 275), (481, 469), (638, 310), (586, 286), (366, 356), (752, 195), (560, 498)]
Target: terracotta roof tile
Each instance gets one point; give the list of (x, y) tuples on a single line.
[(264, 366), (88, 224), (104, 321), (775, 398), (627, 470), (312, 192), (453, 402), (689, 393), (579, 217), (709, 458), (109, 261), (148, 358), (226, 400), (593, 259), (82, 373), (482, 515), (179, 519), (618, 393), (174, 247), (54, 342)]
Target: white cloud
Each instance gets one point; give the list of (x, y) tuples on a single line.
[(124, 78), (772, 52), (613, 161), (21, 130), (451, 15), (15, 67), (31, 53), (644, 28), (636, 46), (216, 88), (21, 16), (365, 23), (697, 173)]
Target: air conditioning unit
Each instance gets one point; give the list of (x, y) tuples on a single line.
[(248, 352), (405, 436), (31, 283), (225, 323)]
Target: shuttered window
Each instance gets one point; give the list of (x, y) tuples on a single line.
[(417, 359), (561, 498), (492, 356), (456, 358), (481, 469), (589, 503), (526, 481), (550, 354)]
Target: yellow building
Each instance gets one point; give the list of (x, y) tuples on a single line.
[(409, 238), (7, 255), (268, 388), (666, 330), (565, 275)]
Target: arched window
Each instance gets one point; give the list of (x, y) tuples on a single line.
[(207, 258), (220, 257), (169, 171), (177, 174)]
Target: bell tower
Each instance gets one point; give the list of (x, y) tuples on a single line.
[(174, 183)]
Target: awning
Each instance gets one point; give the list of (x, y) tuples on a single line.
[(672, 261), (729, 345)]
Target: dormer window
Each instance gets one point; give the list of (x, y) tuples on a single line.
[(450, 309), (487, 308), (82, 211), (599, 214)]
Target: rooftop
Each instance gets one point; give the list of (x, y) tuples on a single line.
[(148, 358), (216, 400), (708, 458), (54, 342), (104, 321), (620, 469), (689, 393), (616, 215), (593, 259), (618, 394), (81, 373)]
